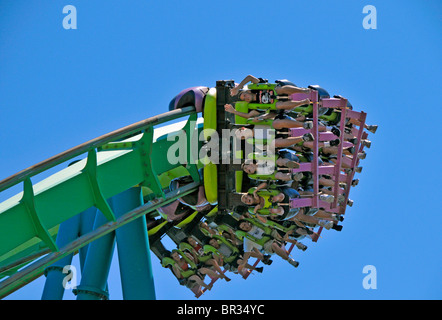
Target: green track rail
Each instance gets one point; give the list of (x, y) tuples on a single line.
[(132, 156)]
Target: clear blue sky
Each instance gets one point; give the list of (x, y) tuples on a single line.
[(127, 59)]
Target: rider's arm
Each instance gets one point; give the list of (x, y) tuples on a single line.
[(251, 114), (261, 186), (246, 80)]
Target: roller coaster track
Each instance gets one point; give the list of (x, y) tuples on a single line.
[(115, 162)]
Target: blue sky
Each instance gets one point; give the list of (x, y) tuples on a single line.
[(127, 59)]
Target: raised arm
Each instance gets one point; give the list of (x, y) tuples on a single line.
[(261, 186), (251, 114), (249, 78), (269, 115), (257, 207)]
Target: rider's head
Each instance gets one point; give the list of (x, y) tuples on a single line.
[(246, 96)]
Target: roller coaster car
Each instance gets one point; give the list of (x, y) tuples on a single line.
[(168, 262), (285, 82), (194, 96), (183, 210), (195, 200), (322, 93), (348, 102), (175, 212), (220, 177), (225, 182)]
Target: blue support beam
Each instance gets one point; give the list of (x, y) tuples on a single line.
[(69, 231), (93, 285), (53, 289), (133, 249)]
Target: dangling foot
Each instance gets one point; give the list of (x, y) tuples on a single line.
[(336, 131), (267, 260), (301, 246), (339, 217), (372, 128), (351, 150), (366, 143), (308, 137), (353, 141), (332, 143), (293, 262), (308, 125), (259, 269), (362, 155)]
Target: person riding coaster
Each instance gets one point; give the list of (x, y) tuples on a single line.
[(263, 95), (278, 120), (203, 258), (274, 203), (260, 136), (188, 204), (260, 166), (288, 231), (261, 91), (293, 231), (264, 201), (285, 224), (265, 139), (259, 237), (232, 256), (219, 247), (196, 200), (186, 271), (226, 225)]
